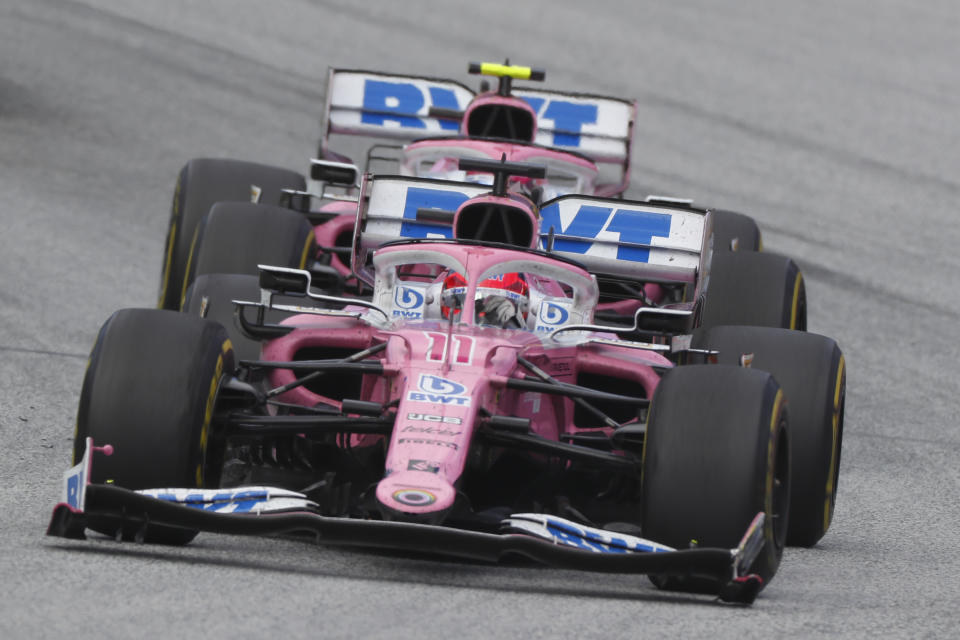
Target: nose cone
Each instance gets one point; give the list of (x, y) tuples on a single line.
[(415, 496)]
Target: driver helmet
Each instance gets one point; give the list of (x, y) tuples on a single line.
[(507, 285)]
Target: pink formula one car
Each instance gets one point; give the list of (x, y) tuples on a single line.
[(474, 405), (223, 209)]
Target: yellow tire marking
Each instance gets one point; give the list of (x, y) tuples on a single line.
[(796, 300), (172, 234), (306, 250), (834, 449), (208, 415), (186, 273), (771, 459)]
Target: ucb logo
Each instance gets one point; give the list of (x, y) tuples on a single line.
[(553, 314), (441, 386), (407, 298)]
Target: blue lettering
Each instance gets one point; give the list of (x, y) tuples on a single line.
[(587, 223), (391, 102), (568, 120), (634, 227), (638, 227), (418, 198), (535, 103)]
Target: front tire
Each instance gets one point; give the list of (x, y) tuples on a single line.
[(149, 390), (715, 455)]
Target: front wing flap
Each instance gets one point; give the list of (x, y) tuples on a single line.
[(722, 565)]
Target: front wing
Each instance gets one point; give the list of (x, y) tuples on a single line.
[(721, 565)]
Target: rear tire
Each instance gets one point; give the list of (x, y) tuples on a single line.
[(235, 237), (757, 289), (149, 391), (715, 455), (812, 371), (212, 295), (730, 227), (202, 182)]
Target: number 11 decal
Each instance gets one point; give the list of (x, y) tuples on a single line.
[(437, 351)]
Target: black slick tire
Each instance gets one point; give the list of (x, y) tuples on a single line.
[(812, 371), (715, 455), (235, 237), (211, 297), (201, 183), (149, 391), (751, 288), (734, 231)]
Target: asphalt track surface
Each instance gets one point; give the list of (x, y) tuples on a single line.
[(833, 123)]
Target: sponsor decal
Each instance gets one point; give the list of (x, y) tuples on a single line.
[(414, 497), (462, 346), (423, 465), (427, 417), (571, 534), (433, 431), (437, 390), (438, 443), (399, 103), (632, 226), (552, 313), (409, 302)]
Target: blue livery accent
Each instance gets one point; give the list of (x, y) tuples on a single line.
[(397, 102), (553, 314), (568, 118), (74, 488), (636, 227), (407, 297), (585, 538), (418, 198), (389, 102), (245, 500), (436, 384)]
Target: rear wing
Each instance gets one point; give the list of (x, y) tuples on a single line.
[(621, 238), (627, 239), (398, 107)]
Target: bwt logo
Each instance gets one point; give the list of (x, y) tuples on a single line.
[(435, 384), (440, 391), (553, 314), (407, 298), (409, 301), (398, 103), (633, 226)]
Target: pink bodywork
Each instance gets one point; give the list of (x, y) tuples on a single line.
[(443, 376)]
